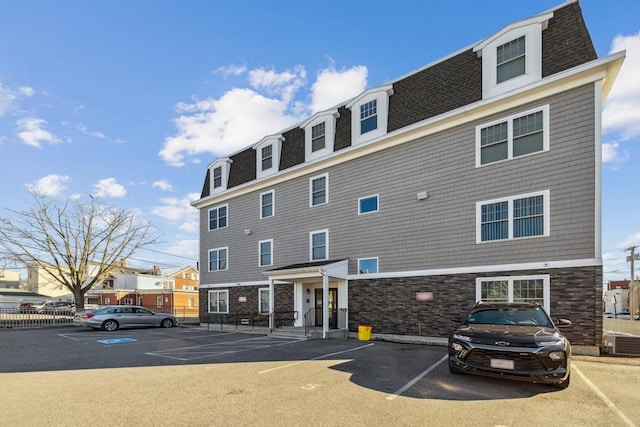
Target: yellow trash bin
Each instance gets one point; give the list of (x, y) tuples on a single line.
[(364, 331)]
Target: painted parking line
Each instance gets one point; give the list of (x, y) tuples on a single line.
[(220, 348), (603, 397), (315, 358), (423, 374)]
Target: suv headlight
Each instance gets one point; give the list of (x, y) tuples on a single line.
[(557, 356), (456, 347)]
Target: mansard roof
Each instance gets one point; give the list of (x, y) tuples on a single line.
[(450, 83)]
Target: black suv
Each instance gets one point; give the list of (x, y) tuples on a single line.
[(511, 340)]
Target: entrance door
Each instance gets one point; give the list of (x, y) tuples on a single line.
[(333, 308)]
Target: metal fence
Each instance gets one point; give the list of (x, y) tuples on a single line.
[(13, 318), (32, 318)]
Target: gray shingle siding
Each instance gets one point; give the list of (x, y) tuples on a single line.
[(440, 232)]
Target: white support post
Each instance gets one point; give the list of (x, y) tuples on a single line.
[(272, 304), (325, 305)]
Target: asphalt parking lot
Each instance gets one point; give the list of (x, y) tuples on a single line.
[(195, 377)]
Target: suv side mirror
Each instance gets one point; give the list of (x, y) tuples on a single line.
[(563, 323)]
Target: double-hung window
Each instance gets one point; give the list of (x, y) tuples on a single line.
[(369, 116), (318, 190), (267, 157), (265, 252), (319, 245), (367, 205), (263, 301), (510, 59), (267, 204), (318, 137), (514, 289), (218, 259), (217, 177), (218, 217), (513, 217), (219, 301), (514, 136)]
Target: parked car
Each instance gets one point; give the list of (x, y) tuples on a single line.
[(511, 340), (56, 307), (27, 307), (113, 317)]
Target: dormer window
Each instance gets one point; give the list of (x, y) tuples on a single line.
[(219, 171), (319, 134), (369, 114), (268, 155), (512, 58), (318, 137)]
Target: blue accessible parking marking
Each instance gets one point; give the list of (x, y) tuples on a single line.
[(117, 340)]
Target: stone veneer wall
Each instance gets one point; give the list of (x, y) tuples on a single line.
[(283, 299), (391, 306)]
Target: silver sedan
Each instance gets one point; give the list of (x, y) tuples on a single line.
[(113, 317)]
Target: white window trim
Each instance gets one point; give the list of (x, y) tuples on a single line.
[(329, 118), (381, 94), (273, 203), (366, 259), (326, 189), (225, 164), (326, 252), (225, 291), (547, 219), (532, 30), (260, 290), (546, 286), (209, 217), (209, 259), (377, 196), (509, 120), (276, 142), (159, 302), (270, 241)]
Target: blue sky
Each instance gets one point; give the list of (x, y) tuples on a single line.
[(131, 100)]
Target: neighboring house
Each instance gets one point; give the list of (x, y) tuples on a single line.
[(476, 177), (10, 279), (41, 282), (169, 291), (615, 284)]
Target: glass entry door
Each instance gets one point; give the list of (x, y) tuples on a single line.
[(333, 307)]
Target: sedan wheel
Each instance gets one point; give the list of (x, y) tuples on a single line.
[(110, 325), (166, 323)]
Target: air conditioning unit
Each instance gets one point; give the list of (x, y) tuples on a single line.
[(622, 345)]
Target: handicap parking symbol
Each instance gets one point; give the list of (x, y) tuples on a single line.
[(117, 340)]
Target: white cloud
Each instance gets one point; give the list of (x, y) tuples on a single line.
[(184, 248), (612, 153), (243, 116), (85, 130), (50, 185), (7, 99), (220, 126), (163, 185), (622, 110), (27, 91), (31, 132), (109, 187), (332, 86), (177, 209), (231, 70), (631, 240)]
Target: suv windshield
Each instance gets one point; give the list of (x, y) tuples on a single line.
[(523, 316)]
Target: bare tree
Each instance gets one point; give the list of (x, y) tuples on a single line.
[(77, 244)]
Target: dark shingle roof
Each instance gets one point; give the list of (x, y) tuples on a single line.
[(444, 86)]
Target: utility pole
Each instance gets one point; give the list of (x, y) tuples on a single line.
[(633, 291)]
